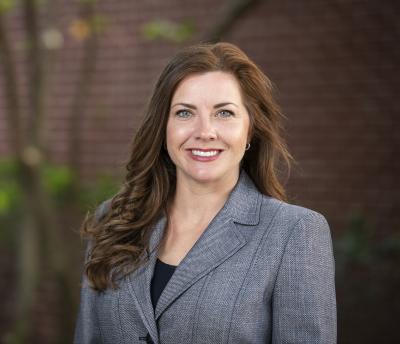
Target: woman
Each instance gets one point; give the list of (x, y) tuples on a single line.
[(200, 246)]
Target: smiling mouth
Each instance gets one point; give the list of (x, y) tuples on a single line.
[(206, 153)]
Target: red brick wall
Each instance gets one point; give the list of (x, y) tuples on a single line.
[(335, 67), (333, 64)]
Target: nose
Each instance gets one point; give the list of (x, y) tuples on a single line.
[(205, 129)]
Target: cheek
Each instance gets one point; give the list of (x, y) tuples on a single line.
[(235, 135), (176, 134)]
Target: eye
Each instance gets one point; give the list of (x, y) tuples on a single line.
[(225, 113), (183, 114)]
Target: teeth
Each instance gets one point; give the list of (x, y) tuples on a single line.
[(201, 153)]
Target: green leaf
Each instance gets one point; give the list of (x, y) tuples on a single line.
[(6, 5), (103, 187), (168, 30), (4, 202), (87, 1), (99, 23), (57, 179)]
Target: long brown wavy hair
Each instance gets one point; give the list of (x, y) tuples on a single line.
[(119, 239)]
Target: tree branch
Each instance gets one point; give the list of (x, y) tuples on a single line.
[(90, 50), (36, 70), (234, 10), (11, 90)]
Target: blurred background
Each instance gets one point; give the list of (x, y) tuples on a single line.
[(74, 80)]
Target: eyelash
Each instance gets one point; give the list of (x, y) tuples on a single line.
[(178, 113)]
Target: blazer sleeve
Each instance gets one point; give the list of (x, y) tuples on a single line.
[(87, 330), (304, 299)]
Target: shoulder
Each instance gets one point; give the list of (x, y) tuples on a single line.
[(102, 210), (99, 212), (287, 217), (296, 232)]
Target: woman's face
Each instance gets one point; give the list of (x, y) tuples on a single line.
[(207, 128)]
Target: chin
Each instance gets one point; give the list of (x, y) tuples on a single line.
[(205, 175)]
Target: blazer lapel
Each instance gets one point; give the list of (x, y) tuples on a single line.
[(220, 240), (139, 283)]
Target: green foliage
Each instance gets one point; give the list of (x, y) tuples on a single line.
[(389, 247), (98, 23), (360, 245), (58, 182), (9, 193), (10, 201), (87, 1), (92, 194), (7, 5), (355, 243), (168, 30)]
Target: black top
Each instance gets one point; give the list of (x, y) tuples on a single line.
[(161, 276)]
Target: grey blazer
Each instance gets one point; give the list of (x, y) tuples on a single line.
[(262, 272)]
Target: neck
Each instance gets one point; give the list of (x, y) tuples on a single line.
[(196, 202)]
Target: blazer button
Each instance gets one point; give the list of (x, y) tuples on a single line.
[(147, 339)]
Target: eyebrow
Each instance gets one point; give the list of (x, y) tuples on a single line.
[(216, 106)]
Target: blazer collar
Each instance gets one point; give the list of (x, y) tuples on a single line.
[(220, 240), (242, 205)]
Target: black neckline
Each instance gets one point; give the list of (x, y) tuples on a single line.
[(163, 263)]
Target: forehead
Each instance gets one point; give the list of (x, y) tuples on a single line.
[(210, 87)]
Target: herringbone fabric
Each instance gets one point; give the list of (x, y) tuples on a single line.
[(262, 272)]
